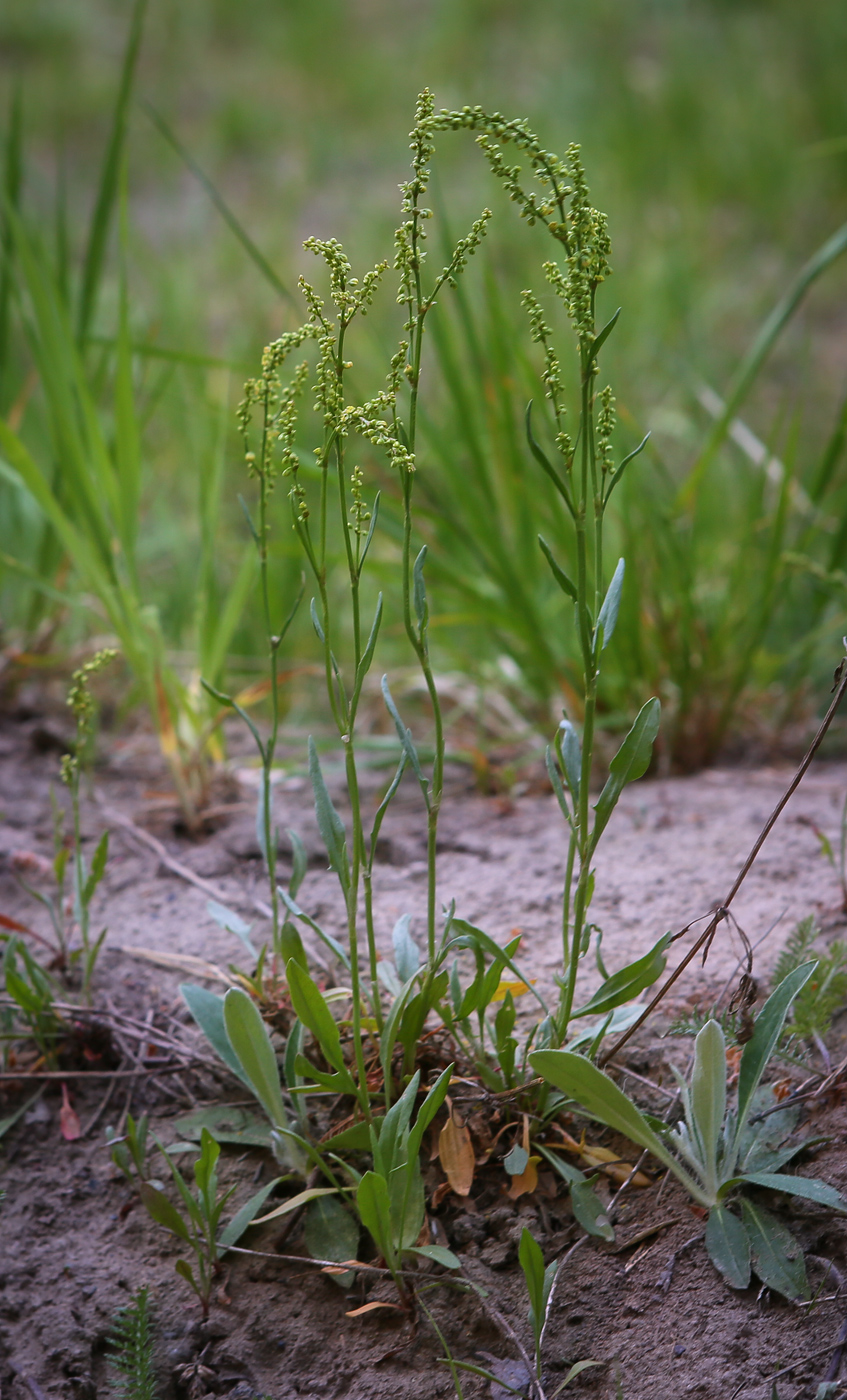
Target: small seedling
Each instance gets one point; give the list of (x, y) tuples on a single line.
[(197, 1223), (539, 1283), (85, 880), (130, 1351), (33, 995), (717, 1151), (129, 1152)]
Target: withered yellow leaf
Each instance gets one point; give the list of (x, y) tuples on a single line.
[(456, 1154)]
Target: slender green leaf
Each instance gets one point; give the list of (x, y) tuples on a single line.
[(299, 862), (330, 824), (603, 335), (312, 1193), (374, 1209), (407, 956), (405, 737), (708, 1095), (619, 471), (437, 1252), (602, 1099), (419, 591), (249, 1038), (571, 753), (544, 462), (611, 605), (101, 219), (627, 983), (494, 950), (558, 573), (313, 1011), (629, 763), (256, 257), (233, 923), (807, 1187), (766, 1032), (327, 938), (162, 1210), (208, 1011), (98, 867), (244, 1217), (367, 655), (531, 1261), (428, 1110), (575, 1370)]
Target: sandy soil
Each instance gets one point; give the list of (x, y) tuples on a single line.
[(71, 1251)]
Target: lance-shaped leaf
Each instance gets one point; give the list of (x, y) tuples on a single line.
[(603, 1100), (728, 1246), (760, 1047), (628, 981), (619, 471), (374, 1209), (707, 1097), (327, 938), (407, 955), (208, 1011), (406, 740), (544, 462), (314, 1013), (162, 1210), (777, 1257), (232, 1232), (367, 655), (495, 951), (630, 762), (809, 1188), (419, 591), (330, 824), (558, 573), (570, 752), (250, 1041), (98, 866), (603, 335), (587, 1206), (611, 605)]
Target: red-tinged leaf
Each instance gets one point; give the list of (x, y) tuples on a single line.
[(13, 925), (372, 1307), (456, 1154), (69, 1124)]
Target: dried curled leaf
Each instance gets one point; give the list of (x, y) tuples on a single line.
[(456, 1154)]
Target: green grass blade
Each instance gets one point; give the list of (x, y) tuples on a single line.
[(256, 257), (12, 181), (107, 194), (769, 332)]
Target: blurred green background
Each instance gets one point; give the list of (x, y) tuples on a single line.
[(714, 133)]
